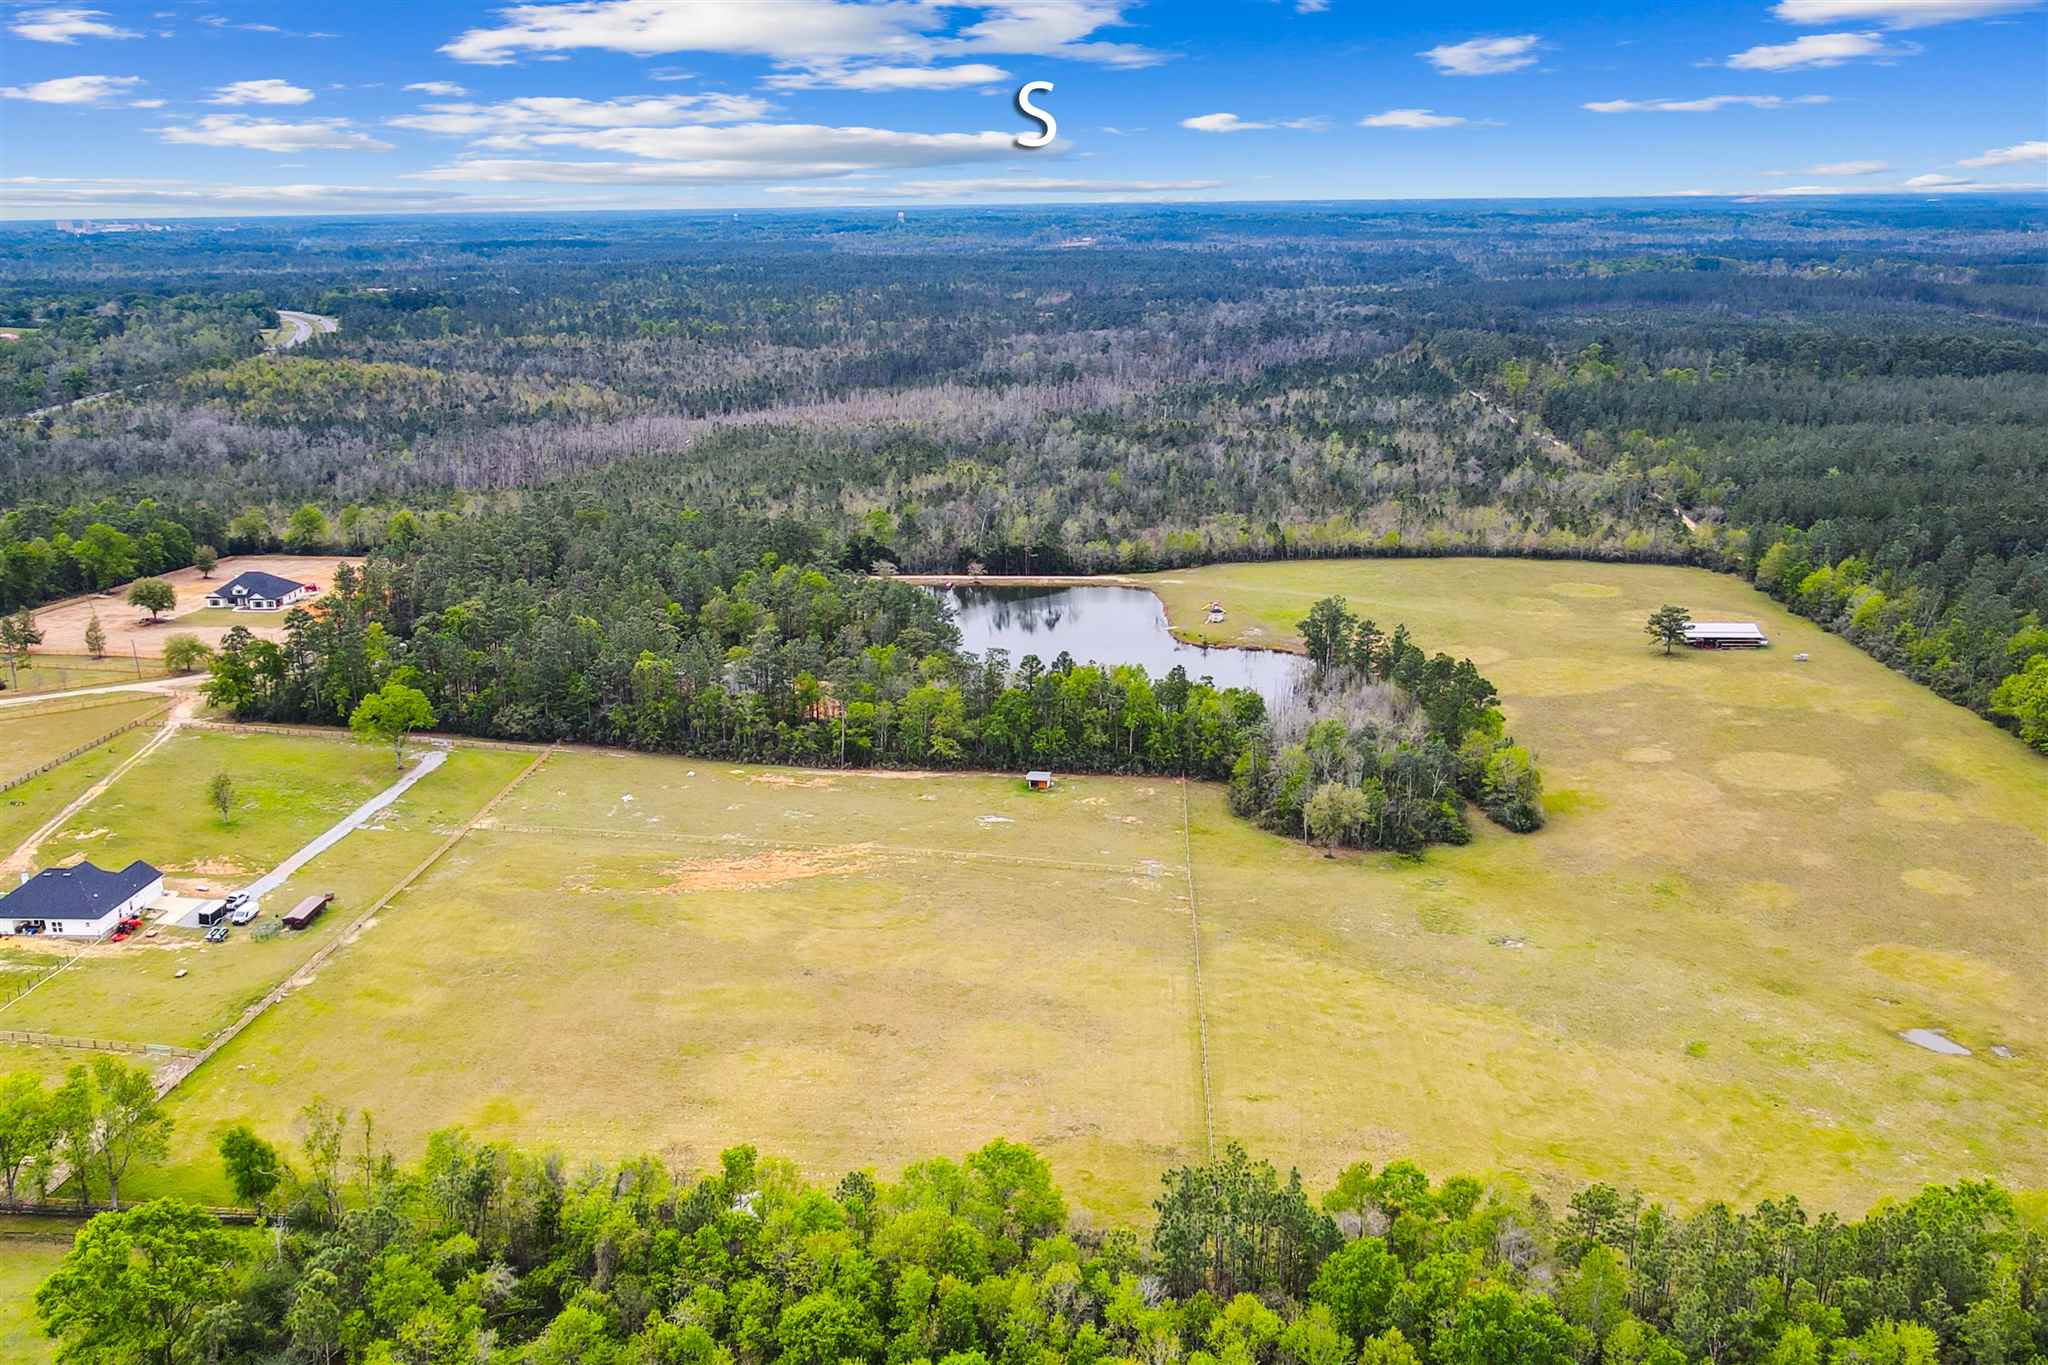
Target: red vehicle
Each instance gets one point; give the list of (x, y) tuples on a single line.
[(125, 928)]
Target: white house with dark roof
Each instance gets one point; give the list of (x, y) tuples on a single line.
[(259, 591), (81, 901)]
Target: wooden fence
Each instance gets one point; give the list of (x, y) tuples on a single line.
[(150, 718), (30, 1036)]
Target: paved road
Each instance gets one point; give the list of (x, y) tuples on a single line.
[(298, 328)]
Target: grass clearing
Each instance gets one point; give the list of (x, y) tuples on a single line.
[(130, 992), (30, 1249), (287, 789), (63, 672), (31, 736), (1758, 873), (727, 963), (25, 809)]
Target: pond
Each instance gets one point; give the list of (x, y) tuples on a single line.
[(1107, 626)]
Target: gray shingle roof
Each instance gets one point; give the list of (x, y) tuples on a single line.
[(259, 584), (81, 892)]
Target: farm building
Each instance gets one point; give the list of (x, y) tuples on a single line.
[(1725, 635), (1038, 780), (79, 902), (259, 591)]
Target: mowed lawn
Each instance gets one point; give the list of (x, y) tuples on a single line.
[(30, 1249), (28, 807), (31, 736), (132, 992), (287, 789), (664, 955)]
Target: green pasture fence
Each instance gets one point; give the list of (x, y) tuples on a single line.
[(150, 718), (30, 1036)]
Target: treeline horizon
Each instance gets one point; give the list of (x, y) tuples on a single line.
[(1860, 385)]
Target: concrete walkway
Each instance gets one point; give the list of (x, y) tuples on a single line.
[(348, 824)]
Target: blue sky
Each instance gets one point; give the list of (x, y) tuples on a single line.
[(174, 108)]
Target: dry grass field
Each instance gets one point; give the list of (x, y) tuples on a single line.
[(1758, 872), (47, 672), (130, 632), (653, 953)]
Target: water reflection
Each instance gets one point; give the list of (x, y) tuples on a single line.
[(1107, 626)]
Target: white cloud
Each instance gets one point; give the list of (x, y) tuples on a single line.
[(1895, 13), (108, 196), (804, 33), (72, 89), (1484, 56), (889, 77), (1412, 118), (1231, 123), (272, 135), (1957, 184), (1221, 123), (2017, 154), (1849, 168), (271, 91), (146, 104), (1311, 6), (67, 25), (949, 189), (447, 89), (1706, 105), (1819, 49), (512, 122), (1803, 191), (738, 152)]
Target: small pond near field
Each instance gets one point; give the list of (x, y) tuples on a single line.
[(1107, 626)]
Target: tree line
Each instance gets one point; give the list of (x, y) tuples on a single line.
[(564, 620), (488, 1252)]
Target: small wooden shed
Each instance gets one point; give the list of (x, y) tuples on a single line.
[(1038, 780)]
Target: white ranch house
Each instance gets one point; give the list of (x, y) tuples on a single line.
[(259, 591), (79, 902)]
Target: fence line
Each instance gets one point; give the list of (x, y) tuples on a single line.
[(72, 1211), (170, 1078), (150, 718), (15, 1035)]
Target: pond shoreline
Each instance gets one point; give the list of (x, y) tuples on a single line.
[(998, 580)]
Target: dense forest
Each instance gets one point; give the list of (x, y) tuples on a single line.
[(1839, 401), (719, 635), (487, 1252)]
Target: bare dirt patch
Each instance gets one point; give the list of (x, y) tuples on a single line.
[(130, 631), (776, 867), (785, 780)]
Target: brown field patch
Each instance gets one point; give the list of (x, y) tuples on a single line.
[(130, 631), (787, 780), (775, 867), (1926, 807)]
